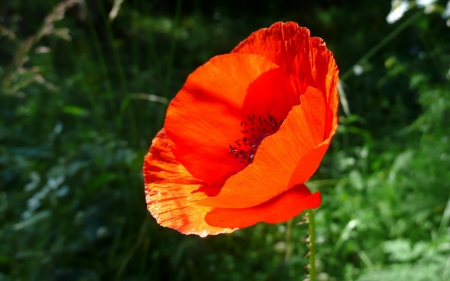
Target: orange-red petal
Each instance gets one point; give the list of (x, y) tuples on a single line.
[(279, 209), (204, 117), (304, 58), (172, 192), (298, 143), (271, 93), (325, 75), (286, 44)]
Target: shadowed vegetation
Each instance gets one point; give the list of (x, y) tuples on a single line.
[(85, 86)]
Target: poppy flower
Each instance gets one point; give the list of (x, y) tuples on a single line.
[(244, 134)]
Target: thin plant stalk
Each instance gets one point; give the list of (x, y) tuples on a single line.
[(287, 256), (172, 47), (312, 246), (382, 43)]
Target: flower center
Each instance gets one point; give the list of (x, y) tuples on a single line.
[(254, 130)]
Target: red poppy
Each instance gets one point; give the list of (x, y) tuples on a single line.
[(244, 134)]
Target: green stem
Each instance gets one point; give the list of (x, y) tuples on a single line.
[(382, 43), (287, 257), (312, 246)]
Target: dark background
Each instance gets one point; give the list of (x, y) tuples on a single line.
[(82, 96)]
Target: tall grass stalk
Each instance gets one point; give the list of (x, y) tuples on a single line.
[(110, 97), (382, 43), (123, 84)]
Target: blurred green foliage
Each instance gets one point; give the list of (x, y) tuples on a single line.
[(83, 94)]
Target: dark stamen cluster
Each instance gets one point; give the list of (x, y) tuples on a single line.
[(254, 130)]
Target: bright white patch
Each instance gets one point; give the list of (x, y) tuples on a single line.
[(424, 3), (446, 13), (398, 9), (358, 70)]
